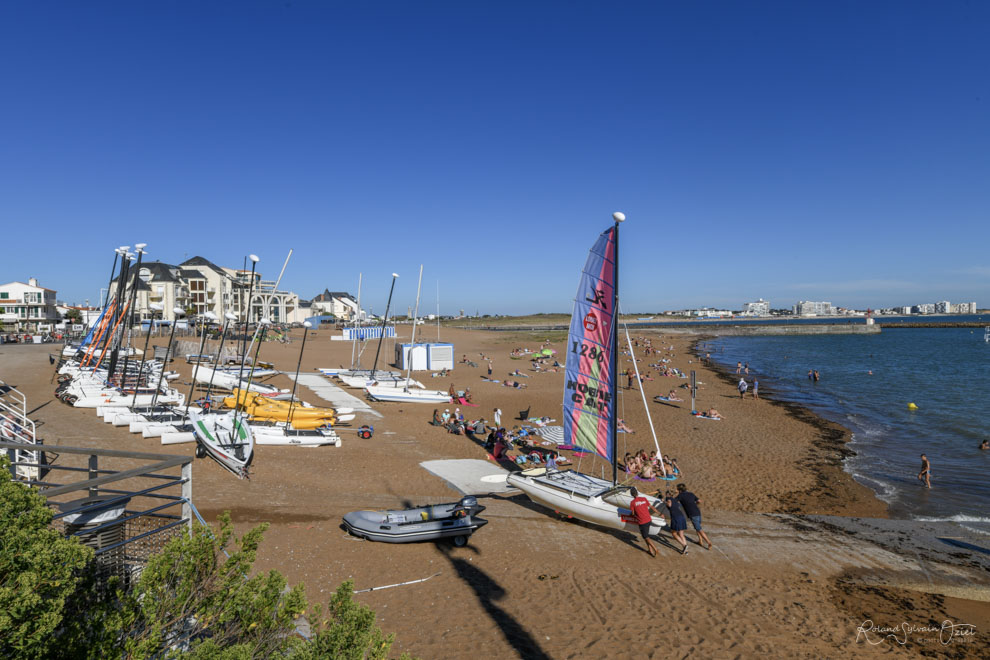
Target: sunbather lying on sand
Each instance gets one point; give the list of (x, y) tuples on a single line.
[(514, 383)]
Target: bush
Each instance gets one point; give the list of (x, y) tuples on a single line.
[(39, 571), (193, 599)]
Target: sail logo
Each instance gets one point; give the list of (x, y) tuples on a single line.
[(588, 396), (590, 322), (599, 298)]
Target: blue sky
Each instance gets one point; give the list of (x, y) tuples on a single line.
[(784, 150)]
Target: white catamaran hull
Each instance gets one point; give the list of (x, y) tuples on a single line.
[(587, 507), (360, 382), (399, 395), (226, 438), (229, 381)]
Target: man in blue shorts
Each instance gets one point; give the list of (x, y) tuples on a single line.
[(689, 502), (641, 509)]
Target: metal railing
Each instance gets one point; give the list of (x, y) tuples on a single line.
[(17, 427), (126, 514)]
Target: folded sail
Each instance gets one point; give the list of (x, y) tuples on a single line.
[(589, 395)]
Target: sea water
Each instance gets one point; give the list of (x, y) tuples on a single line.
[(945, 372)]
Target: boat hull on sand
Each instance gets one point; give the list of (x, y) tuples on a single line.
[(400, 395), (226, 438), (454, 520), (581, 496)]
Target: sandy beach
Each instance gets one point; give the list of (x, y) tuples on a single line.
[(785, 579)]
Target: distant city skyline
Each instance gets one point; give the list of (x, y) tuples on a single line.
[(794, 151)]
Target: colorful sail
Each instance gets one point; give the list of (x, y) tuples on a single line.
[(589, 395), (89, 335)]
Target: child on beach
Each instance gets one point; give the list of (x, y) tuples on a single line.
[(925, 476)]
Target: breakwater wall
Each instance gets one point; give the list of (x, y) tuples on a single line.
[(775, 330), (715, 330)]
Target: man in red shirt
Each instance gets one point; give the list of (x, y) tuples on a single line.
[(641, 509)]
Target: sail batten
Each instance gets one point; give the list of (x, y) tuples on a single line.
[(589, 390)]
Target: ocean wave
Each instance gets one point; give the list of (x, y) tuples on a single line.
[(959, 518), (976, 530), (885, 491)]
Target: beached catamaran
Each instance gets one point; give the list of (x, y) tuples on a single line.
[(590, 418)]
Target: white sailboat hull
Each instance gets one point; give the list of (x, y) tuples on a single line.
[(399, 395), (226, 438), (360, 382), (228, 381), (591, 508), (276, 435)]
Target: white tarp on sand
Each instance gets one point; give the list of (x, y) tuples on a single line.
[(470, 476), (334, 395)]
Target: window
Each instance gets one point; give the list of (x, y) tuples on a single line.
[(4, 295)]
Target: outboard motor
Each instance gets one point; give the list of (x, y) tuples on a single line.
[(470, 504)]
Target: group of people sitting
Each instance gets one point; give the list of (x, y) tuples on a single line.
[(455, 422), (456, 395), (500, 442), (650, 466)]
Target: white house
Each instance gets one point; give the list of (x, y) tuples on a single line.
[(23, 307), (335, 303)]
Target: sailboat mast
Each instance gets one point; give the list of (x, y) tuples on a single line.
[(374, 366), (357, 316), (295, 381), (412, 348), (613, 421)]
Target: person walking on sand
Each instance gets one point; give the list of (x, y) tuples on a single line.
[(498, 417), (641, 509), (925, 476), (742, 387), (738, 367), (689, 502), (678, 523), (756, 389), (489, 368)]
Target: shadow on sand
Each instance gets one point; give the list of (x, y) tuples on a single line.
[(488, 591)]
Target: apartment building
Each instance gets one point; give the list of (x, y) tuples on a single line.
[(24, 307)]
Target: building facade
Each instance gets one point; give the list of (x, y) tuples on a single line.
[(813, 308), (759, 308), (25, 307), (198, 286)]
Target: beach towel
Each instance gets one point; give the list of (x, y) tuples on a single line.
[(464, 402), (489, 380), (700, 416)]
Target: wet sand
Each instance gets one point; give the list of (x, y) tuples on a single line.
[(768, 588)]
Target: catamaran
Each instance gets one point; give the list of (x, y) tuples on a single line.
[(399, 391), (590, 417)]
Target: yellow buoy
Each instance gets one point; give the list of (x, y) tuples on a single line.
[(911, 406)]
